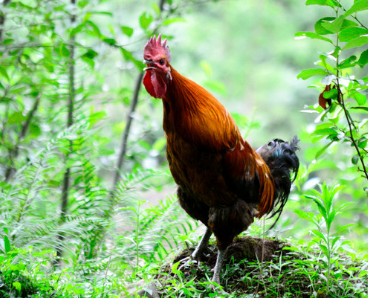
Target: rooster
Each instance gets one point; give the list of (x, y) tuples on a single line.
[(222, 181)]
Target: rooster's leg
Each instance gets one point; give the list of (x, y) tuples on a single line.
[(217, 269), (198, 252)]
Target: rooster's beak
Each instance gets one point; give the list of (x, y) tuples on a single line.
[(148, 62)]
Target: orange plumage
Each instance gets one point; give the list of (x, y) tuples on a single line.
[(222, 181)]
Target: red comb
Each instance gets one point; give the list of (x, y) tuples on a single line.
[(154, 47)]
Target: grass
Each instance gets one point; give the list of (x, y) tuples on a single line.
[(254, 267), (288, 271)]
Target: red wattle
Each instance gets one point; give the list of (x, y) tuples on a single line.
[(147, 82), (155, 84)]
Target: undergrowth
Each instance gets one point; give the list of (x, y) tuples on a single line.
[(292, 271)]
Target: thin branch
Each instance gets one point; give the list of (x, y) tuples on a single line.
[(351, 131), (70, 121), (124, 139), (133, 105), (340, 99), (354, 17), (13, 153), (2, 20)]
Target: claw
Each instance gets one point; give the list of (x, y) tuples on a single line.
[(186, 262)]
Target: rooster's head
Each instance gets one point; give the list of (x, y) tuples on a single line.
[(158, 72)]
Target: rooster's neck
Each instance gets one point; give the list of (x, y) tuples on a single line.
[(195, 114)]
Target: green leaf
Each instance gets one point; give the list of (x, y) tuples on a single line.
[(89, 61), (333, 26), (106, 13), (4, 73), (172, 20), (348, 23), (357, 6), (325, 131), (83, 3), (145, 20), (65, 51), (95, 117), (34, 130), (318, 234), (355, 159), (127, 30), (7, 244), (91, 54), (77, 29), (6, 241), (332, 94), (324, 125), (351, 33), (16, 118), (174, 267), (362, 143), (357, 42), (324, 249), (344, 228), (95, 30), (335, 239), (347, 63), (320, 29), (330, 3), (321, 208), (365, 109), (8, 41), (363, 60), (156, 9), (320, 152), (360, 98), (18, 286), (301, 35), (129, 56), (216, 86), (109, 41), (307, 73), (159, 144), (207, 68), (305, 215)]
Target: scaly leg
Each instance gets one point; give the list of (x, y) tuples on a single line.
[(198, 252), (217, 269)]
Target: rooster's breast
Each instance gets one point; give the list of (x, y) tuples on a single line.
[(197, 170)]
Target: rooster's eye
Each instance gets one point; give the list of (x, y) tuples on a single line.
[(161, 62)]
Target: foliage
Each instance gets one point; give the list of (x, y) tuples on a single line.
[(342, 102), (328, 243)]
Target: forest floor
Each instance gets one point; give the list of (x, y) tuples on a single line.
[(256, 267)]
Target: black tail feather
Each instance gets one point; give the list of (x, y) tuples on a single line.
[(282, 161)]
